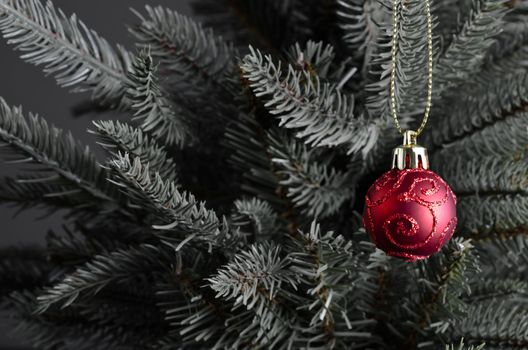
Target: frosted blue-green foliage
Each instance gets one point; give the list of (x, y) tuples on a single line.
[(66, 48), (116, 137), (159, 116), (64, 171), (461, 346), (226, 214), (321, 113)]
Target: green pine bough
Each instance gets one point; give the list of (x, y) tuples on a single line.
[(226, 213)]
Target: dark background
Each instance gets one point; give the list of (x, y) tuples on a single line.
[(24, 84)]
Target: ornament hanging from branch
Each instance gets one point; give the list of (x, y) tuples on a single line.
[(410, 212)]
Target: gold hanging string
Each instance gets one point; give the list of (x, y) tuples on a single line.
[(395, 24)]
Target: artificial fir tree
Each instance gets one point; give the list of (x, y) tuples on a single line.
[(227, 212)]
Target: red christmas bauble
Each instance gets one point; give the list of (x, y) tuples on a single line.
[(410, 213)]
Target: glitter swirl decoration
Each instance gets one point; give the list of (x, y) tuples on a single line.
[(410, 213)]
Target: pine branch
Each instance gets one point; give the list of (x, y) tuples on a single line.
[(505, 138), (513, 34), (250, 156), (65, 330), (411, 67), (119, 267), (495, 94), (452, 16), (193, 313), (70, 248), (498, 289), (198, 322), (272, 24), (445, 279), (66, 48), (116, 137), (25, 193), (461, 346), (466, 52), (321, 114), (259, 280), (499, 212), (172, 209), (481, 175), (313, 56), (151, 105), (112, 310), (314, 187), (21, 269), (488, 173), (255, 218), (77, 177), (186, 50), (460, 264), (320, 60), (254, 277), (505, 255), (497, 324), (337, 299), (357, 21)]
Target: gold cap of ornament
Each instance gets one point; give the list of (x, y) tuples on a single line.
[(410, 155)]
